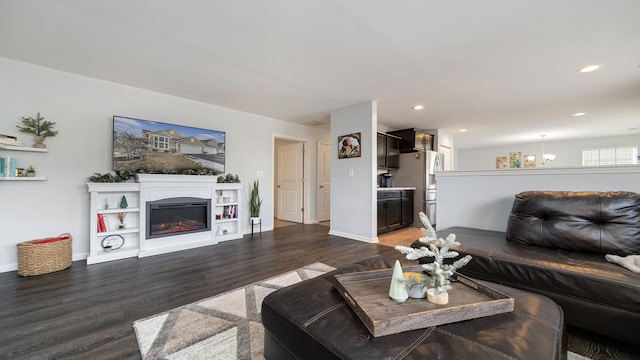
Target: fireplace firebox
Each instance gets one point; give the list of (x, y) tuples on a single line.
[(177, 216)]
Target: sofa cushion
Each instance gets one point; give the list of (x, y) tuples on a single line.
[(593, 222)]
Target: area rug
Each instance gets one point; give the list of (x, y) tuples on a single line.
[(226, 326)]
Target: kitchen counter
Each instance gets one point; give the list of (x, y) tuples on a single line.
[(396, 188)]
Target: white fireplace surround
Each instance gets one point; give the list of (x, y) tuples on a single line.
[(159, 187)]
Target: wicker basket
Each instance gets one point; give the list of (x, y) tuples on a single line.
[(43, 256)]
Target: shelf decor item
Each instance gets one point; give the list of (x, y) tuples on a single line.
[(255, 202), (38, 127), (122, 215), (229, 178), (31, 171), (112, 242), (43, 256), (438, 249)]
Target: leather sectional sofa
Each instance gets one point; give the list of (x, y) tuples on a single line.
[(555, 245)]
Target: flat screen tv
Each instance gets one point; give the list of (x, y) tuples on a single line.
[(144, 146)]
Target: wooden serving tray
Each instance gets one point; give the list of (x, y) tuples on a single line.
[(367, 293)]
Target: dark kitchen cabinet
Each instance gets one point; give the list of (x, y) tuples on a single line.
[(395, 210), (388, 151), (407, 208)]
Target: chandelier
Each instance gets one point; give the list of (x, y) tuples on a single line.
[(546, 158)]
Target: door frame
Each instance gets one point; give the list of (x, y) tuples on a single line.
[(306, 199)]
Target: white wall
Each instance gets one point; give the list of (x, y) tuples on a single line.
[(82, 109), (353, 198), (483, 199), (568, 153)]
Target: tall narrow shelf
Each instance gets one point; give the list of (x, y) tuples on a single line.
[(227, 211), (27, 149), (105, 200)]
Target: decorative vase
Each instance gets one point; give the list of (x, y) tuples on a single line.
[(39, 143), (31, 174), (417, 292), (255, 220), (415, 285), (398, 288), (441, 299)]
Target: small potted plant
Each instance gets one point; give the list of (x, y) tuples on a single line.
[(31, 171), (439, 273), (254, 203), (38, 127)]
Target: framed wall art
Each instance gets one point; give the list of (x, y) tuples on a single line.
[(501, 162), (349, 146), (529, 161), (515, 160)]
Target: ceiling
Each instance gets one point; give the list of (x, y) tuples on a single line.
[(505, 70)]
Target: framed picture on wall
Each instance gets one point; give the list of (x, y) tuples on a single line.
[(515, 160), (529, 161), (349, 146), (501, 162)]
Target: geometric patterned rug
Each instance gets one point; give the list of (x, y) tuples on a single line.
[(226, 326)]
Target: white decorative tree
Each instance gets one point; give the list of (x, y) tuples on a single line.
[(439, 249)]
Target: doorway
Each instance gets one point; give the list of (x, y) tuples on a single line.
[(324, 183), (289, 187)]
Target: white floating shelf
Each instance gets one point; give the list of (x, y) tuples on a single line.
[(22, 178), (22, 148)]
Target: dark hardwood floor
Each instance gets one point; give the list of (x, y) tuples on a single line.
[(87, 312)]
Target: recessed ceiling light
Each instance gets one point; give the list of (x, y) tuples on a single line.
[(589, 68), (579, 114), (418, 107), (463, 130)]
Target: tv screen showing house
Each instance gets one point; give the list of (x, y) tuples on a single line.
[(155, 147)]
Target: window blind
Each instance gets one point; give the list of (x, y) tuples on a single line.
[(619, 155)]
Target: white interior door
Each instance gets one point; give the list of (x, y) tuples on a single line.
[(290, 182), (324, 182)]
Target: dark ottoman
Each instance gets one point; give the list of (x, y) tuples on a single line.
[(311, 320)]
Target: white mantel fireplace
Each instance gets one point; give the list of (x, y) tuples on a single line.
[(199, 193)]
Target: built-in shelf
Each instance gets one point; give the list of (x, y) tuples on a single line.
[(105, 199), (226, 200), (119, 232), (118, 210)]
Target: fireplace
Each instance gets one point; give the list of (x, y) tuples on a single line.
[(177, 216)]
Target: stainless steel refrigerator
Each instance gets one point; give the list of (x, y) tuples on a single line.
[(419, 169)]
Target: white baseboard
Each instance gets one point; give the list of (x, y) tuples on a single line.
[(372, 240)]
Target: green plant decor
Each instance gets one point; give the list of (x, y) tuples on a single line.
[(438, 249), (31, 169), (255, 202), (37, 126), (229, 178)]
